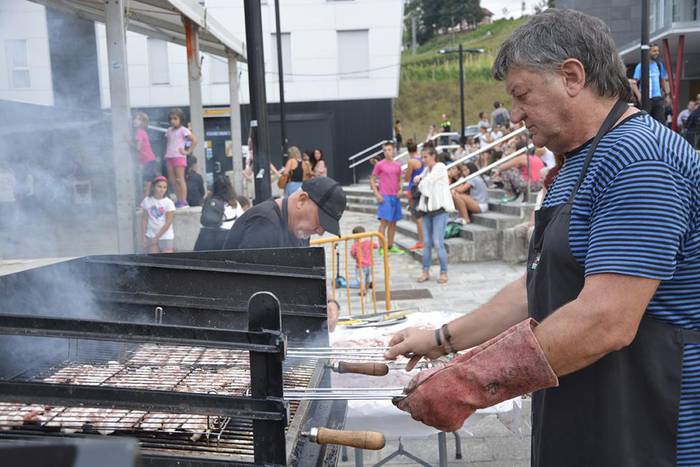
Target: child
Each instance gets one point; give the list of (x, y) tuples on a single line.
[(195, 183), (361, 251), (149, 165), (176, 154), (157, 226)]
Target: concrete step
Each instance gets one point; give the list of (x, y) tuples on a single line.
[(496, 220), (459, 250), (370, 209), (486, 241), (515, 208), (497, 194), (355, 199)]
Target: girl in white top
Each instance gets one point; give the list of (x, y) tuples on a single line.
[(157, 225), (436, 202)]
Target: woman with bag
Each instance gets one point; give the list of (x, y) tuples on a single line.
[(219, 212), (295, 172), (436, 204)]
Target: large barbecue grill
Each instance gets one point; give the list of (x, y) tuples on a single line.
[(182, 351)]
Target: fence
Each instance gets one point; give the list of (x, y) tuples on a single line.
[(337, 284)]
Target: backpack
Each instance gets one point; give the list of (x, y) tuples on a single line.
[(212, 213), (452, 229)]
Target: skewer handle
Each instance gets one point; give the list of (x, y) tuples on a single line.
[(354, 439), (367, 368)]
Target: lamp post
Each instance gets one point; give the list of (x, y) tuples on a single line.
[(461, 50)]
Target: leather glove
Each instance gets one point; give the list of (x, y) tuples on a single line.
[(506, 366)]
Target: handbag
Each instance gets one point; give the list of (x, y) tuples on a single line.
[(453, 229)]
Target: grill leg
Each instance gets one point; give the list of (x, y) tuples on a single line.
[(266, 380), (442, 448), (359, 457)]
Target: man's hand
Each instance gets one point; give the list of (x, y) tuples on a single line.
[(415, 343), (380, 199)]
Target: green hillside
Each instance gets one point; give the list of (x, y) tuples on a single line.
[(429, 83)]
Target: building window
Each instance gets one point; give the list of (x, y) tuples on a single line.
[(353, 54), (18, 64), (218, 67), (158, 67), (675, 11), (286, 55)]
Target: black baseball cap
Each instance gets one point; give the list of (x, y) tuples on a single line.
[(330, 199)]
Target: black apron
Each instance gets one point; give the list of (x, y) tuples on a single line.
[(623, 409)]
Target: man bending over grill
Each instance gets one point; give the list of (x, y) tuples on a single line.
[(315, 208)]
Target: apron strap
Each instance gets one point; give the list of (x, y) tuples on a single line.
[(690, 336), (616, 112)]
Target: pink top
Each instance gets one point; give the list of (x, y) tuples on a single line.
[(146, 152), (176, 141), (536, 166), (366, 247), (389, 175)]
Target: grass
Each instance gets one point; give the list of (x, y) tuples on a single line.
[(430, 81)]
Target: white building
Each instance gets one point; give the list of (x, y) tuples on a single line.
[(341, 62)]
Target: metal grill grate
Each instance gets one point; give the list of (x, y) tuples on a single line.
[(157, 367)]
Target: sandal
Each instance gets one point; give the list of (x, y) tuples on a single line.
[(423, 277), (442, 279)]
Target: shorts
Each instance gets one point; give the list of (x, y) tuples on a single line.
[(484, 207), (166, 244), (176, 161), (390, 209), (149, 171)]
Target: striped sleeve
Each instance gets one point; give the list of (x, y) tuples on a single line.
[(637, 224)]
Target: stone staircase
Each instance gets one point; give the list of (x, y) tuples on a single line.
[(481, 240)]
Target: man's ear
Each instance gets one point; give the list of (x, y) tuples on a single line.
[(302, 198), (574, 76)]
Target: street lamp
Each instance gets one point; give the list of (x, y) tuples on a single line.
[(461, 50)]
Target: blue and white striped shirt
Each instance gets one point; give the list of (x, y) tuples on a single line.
[(638, 213)]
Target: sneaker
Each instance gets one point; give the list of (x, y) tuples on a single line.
[(395, 249), (181, 205), (417, 246)]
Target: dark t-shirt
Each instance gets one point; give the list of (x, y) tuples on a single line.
[(261, 227), (195, 189)]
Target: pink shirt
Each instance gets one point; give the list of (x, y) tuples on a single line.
[(176, 141), (146, 152), (366, 247), (389, 175), (536, 166)]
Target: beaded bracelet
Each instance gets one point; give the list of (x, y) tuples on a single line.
[(438, 339), (448, 339)]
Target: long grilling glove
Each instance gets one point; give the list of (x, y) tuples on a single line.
[(506, 366)]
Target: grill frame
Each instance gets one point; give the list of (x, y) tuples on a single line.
[(128, 293)]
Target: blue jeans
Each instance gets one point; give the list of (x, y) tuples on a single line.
[(434, 236), (291, 188), (366, 272)]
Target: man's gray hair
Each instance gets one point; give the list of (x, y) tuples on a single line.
[(555, 35)]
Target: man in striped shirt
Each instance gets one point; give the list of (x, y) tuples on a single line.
[(613, 273)]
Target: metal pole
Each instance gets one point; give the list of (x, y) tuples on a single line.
[(125, 189), (258, 100), (414, 42), (194, 83), (236, 139), (645, 55), (280, 78), (461, 90)]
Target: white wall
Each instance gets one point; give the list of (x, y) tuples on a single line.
[(20, 19), (313, 25)]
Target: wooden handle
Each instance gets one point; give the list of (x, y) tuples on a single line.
[(369, 368), (355, 439)]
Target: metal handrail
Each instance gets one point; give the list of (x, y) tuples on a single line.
[(433, 138), (499, 162), (354, 156), (385, 257), (488, 147), (374, 154)]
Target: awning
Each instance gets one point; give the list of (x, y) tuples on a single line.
[(162, 19), (630, 52)]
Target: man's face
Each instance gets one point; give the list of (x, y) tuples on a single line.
[(304, 221), (654, 52), (540, 101), (389, 152), (692, 105)]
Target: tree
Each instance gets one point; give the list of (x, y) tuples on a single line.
[(434, 15)]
